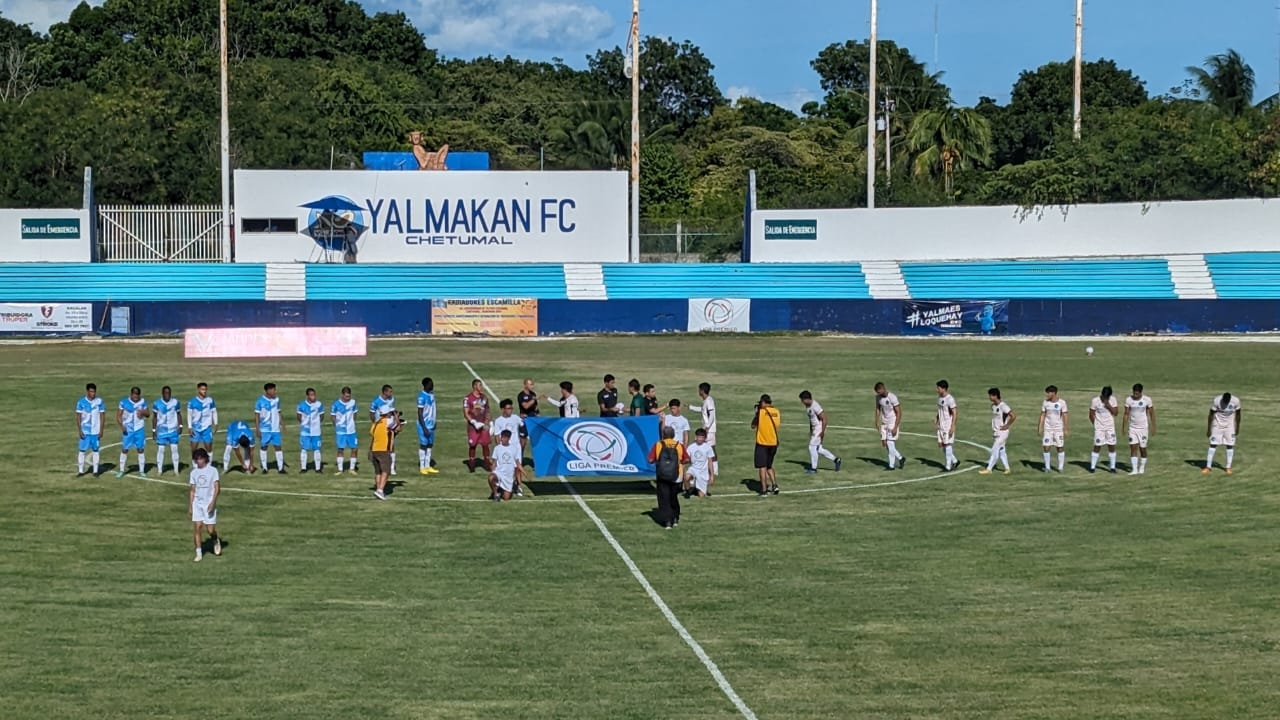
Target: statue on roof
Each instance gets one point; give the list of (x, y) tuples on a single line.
[(428, 160)]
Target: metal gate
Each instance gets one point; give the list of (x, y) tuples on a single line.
[(161, 233)]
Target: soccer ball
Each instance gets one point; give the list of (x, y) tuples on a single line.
[(1088, 350)]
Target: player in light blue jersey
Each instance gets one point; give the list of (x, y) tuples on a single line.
[(344, 427), (384, 404), (202, 419), (426, 426), (89, 412), (240, 442), (267, 410), (310, 417), (131, 416), (166, 428)]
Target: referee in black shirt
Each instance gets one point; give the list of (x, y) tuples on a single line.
[(608, 398), (528, 400)]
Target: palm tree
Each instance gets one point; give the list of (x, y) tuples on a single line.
[(1227, 82), (941, 140), (595, 136)]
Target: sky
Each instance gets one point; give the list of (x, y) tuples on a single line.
[(762, 48)]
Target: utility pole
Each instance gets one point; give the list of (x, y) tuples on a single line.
[(635, 131), (889, 106), (1079, 70), (225, 127), (871, 114)]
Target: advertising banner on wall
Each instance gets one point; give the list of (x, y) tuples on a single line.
[(366, 216), (593, 446), (46, 318), (509, 317), (965, 317), (51, 235), (719, 315)]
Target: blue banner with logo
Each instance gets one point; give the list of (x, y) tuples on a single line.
[(593, 446), (964, 317)]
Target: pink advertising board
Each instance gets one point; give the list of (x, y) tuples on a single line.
[(276, 342)]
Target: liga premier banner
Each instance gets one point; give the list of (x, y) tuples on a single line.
[(964, 317), (513, 317), (46, 318), (719, 315), (593, 446)]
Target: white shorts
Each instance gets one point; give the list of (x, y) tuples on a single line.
[(887, 433), (506, 483), (815, 440), (1053, 438), (701, 480), (1104, 437), (945, 437), (999, 438), (200, 514), (1223, 437), (1138, 437), (711, 438)]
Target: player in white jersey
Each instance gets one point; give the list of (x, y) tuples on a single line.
[(1102, 413), (1140, 421), (343, 413), (384, 404), (701, 473), (817, 433), (507, 470), (1002, 417), (888, 418), (89, 426), (509, 423), (310, 414), (203, 500), (131, 417), (202, 419), (675, 420), (1224, 425), (166, 428), (568, 402), (708, 410), (1053, 426), (269, 426), (945, 423)]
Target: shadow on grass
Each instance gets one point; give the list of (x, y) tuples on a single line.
[(206, 545), (627, 486), (878, 462), (1199, 464), (935, 464), (801, 463), (652, 514), (391, 487)]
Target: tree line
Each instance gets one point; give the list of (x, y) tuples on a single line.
[(131, 88)]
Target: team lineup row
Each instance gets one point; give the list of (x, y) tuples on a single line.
[(201, 423)]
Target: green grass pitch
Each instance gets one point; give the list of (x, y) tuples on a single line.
[(953, 596)]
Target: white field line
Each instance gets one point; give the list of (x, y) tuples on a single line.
[(675, 623)]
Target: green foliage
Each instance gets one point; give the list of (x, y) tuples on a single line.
[(1226, 81)]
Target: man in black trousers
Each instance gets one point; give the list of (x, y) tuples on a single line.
[(667, 457)]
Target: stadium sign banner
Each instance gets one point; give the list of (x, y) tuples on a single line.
[(48, 235), (964, 317), (719, 315), (616, 447), (509, 317), (268, 342), (366, 216), (46, 318)]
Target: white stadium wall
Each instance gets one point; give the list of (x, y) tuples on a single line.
[(993, 233), (368, 216), (44, 235)]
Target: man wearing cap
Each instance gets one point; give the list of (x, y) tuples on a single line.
[(765, 423)]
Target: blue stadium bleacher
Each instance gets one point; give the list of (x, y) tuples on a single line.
[(1245, 276), (415, 282), (762, 281), (1032, 279), (50, 282)]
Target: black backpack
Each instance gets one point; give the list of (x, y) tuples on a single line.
[(668, 465)]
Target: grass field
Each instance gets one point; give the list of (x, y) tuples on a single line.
[(949, 596)]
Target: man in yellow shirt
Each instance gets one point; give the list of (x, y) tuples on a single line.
[(383, 443), (765, 423)]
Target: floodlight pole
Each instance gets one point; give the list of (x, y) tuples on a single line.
[(635, 131), (871, 114), (1079, 70), (225, 128)]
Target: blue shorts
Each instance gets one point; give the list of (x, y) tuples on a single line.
[(234, 440), (309, 442), (136, 440), (427, 439), (168, 437), (89, 442), (348, 441), (202, 436), (270, 439)]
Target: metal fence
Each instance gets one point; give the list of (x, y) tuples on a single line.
[(160, 233), (674, 241)]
